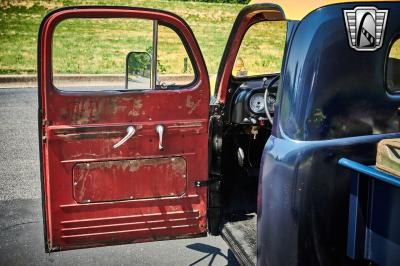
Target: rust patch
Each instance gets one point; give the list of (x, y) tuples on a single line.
[(129, 179), (81, 133), (190, 130), (63, 113), (137, 106), (87, 111), (186, 125), (118, 105), (84, 155), (119, 109), (91, 135), (178, 165), (192, 105), (137, 103)]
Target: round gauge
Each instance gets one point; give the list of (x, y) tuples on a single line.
[(257, 103)]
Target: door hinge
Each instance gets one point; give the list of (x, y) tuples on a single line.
[(206, 183)]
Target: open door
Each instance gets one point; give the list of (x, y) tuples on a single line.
[(121, 165)]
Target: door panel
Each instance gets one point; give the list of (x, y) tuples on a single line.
[(95, 194), (123, 179)]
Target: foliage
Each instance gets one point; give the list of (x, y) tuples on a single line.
[(219, 1), (139, 63)]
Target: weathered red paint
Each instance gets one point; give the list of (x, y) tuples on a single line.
[(123, 179), (82, 127)]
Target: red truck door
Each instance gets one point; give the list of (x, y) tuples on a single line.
[(121, 166)]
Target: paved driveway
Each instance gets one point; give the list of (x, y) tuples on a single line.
[(21, 233)]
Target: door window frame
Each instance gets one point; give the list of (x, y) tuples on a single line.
[(164, 18), (247, 17)]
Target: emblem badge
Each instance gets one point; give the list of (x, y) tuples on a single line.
[(365, 27)]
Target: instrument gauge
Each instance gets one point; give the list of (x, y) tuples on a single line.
[(257, 103)]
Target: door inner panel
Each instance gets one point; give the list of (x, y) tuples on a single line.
[(129, 179)]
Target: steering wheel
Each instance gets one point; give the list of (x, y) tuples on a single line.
[(266, 94)]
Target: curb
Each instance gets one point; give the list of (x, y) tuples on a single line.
[(18, 81), (30, 80), (17, 78)]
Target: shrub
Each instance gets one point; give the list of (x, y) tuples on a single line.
[(219, 1)]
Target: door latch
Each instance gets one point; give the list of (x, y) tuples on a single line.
[(130, 131), (206, 183), (160, 131)]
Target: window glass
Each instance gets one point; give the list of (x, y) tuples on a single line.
[(117, 54), (262, 48), (173, 64), (393, 68)]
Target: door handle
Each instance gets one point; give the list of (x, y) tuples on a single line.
[(130, 131), (160, 131)]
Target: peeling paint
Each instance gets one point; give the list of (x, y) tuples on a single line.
[(86, 111), (186, 125), (137, 103), (178, 165), (137, 106), (117, 180), (192, 105), (118, 109)]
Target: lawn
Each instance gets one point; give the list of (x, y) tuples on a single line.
[(106, 49), (20, 20), (100, 46)]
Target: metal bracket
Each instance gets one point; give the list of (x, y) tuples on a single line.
[(206, 183)]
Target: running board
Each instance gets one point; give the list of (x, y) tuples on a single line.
[(241, 238)]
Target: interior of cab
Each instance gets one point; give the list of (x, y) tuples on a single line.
[(247, 124), (242, 148)]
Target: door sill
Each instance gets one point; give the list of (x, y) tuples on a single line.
[(241, 236)]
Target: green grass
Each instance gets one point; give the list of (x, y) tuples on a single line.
[(79, 49), (262, 48), (92, 47), (20, 20)]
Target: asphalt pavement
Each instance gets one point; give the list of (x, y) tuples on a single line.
[(21, 228)]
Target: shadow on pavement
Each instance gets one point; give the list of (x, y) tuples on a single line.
[(213, 252), (21, 243)]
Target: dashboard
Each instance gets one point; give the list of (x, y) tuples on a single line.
[(248, 102)]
